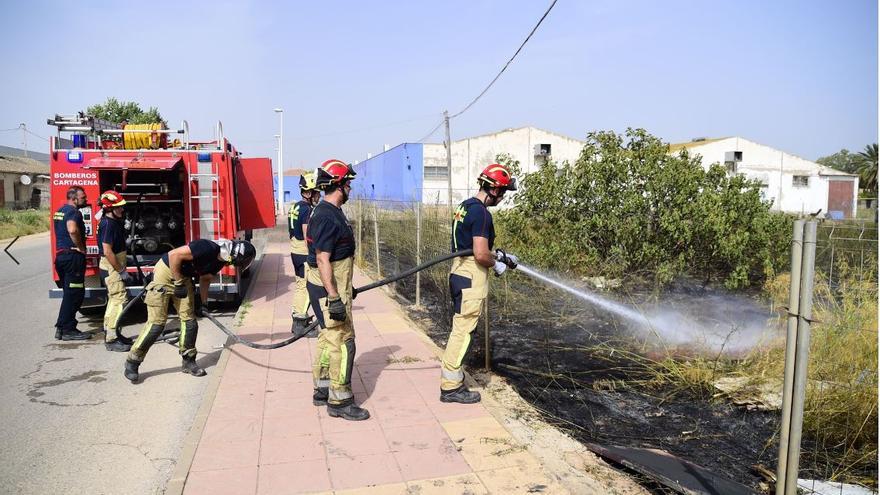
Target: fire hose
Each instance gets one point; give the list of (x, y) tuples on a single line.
[(357, 290)]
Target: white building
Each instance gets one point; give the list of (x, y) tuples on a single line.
[(795, 185), (417, 172), (528, 145)]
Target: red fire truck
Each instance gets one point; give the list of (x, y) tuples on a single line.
[(177, 190)]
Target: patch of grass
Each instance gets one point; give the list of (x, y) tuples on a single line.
[(242, 312), (404, 360), (840, 412), (22, 222)]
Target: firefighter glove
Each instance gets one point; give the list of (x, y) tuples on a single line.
[(500, 267), (180, 291), (508, 259), (125, 276), (336, 308)]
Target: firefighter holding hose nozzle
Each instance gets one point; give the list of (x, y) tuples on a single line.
[(172, 280), (472, 228)]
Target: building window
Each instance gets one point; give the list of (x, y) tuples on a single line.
[(800, 181), (435, 172), (542, 150)]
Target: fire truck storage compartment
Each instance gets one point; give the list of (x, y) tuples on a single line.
[(156, 225)]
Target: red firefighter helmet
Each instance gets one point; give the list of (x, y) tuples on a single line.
[(111, 198), (496, 175), (333, 172)]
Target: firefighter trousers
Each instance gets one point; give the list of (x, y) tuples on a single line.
[(117, 296), (468, 286), (159, 292), (298, 255), (336, 349), (71, 268)]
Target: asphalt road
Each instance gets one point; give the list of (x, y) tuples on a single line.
[(71, 423)]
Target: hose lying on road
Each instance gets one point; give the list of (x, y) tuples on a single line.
[(311, 326)]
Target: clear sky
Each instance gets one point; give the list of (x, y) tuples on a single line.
[(352, 75)]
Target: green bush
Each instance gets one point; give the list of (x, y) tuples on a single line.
[(628, 207), (14, 223)]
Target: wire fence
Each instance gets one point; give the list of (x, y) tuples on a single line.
[(589, 372)]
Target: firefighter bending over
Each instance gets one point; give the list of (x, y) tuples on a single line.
[(70, 263), (172, 279), (331, 260), (111, 239), (472, 228), (297, 226)]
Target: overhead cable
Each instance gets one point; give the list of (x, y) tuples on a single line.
[(469, 105)]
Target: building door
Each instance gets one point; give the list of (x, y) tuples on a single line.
[(2, 193), (840, 198)]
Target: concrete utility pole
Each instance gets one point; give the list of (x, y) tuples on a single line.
[(448, 158), (280, 113), (24, 138)]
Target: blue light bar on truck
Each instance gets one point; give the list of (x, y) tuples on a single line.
[(74, 157), (204, 157)]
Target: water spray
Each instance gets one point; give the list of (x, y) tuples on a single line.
[(724, 323), (614, 307)]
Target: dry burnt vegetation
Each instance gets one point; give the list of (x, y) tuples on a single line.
[(672, 232)]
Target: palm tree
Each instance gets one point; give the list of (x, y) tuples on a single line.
[(868, 167)]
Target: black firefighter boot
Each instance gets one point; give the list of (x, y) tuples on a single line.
[(347, 410), (319, 398), (131, 370), (190, 367), (189, 330), (461, 395), (117, 346)]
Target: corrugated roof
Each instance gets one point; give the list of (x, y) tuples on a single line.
[(293, 172), (15, 165)]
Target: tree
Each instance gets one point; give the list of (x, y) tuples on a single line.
[(867, 170), (628, 207), (843, 160), (126, 111)]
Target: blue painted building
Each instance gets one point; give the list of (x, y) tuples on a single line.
[(290, 184), (395, 174)]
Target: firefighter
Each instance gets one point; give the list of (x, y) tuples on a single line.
[(472, 228), (297, 226), (111, 239), (329, 284), (172, 280), (70, 263)]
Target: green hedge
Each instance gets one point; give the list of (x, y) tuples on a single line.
[(628, 207)]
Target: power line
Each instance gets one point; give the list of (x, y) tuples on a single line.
[(35, 134), (508, 62), (12, 129), (432, 132)]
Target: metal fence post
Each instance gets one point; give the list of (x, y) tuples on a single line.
[(360, 233), (805, 313), (418, 253), (797, 246), (376, 231)]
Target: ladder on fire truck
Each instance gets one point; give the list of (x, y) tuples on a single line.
[(207, 182)]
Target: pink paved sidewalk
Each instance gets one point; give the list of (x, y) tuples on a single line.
[(263, 435)]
